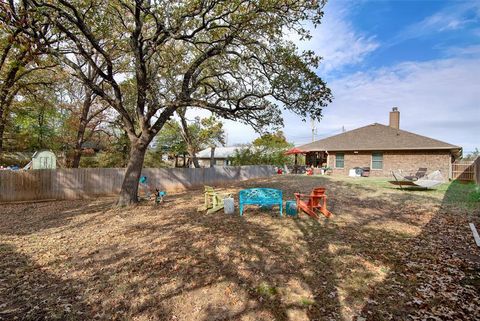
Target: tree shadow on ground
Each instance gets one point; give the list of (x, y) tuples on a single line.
[(428, 268), (254, 260), (172, 263), (28, 292), (434, 275), (210, 256), (35, 219)]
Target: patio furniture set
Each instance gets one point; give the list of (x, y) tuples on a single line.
[(313, 204)]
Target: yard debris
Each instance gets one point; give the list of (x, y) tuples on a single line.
[(405, 257)]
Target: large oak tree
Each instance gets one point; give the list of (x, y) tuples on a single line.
[(226, 56)]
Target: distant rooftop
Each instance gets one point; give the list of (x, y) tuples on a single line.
[(220, 152)]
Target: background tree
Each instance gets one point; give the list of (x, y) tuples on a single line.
[(268, 149), (171, 140), (472, 155), (117, 145), (35, 122), (229, 57), (202, 133), (212, 135), (189, 137), (59, 115), (22, 40), (272, 142), (86, 115)]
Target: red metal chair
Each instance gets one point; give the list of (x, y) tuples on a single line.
[(314, 203)]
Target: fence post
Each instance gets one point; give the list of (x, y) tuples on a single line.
[(476, 170), (450, 170)]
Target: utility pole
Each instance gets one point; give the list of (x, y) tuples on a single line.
[(314, 130)]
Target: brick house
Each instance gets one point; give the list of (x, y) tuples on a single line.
[(382, 149)]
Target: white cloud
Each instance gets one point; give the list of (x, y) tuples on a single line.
[(439, 99), (473, 51), (337, 41), (454, 17)]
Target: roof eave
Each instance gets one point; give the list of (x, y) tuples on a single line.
[(453, 148)]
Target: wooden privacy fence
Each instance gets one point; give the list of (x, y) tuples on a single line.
[(466, 170), (92, 182)]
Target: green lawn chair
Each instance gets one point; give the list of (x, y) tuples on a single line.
[(213, 200)]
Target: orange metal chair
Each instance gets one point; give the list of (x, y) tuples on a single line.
[(314, 203)]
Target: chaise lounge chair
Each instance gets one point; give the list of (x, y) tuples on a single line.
[(426, 181), (421, 172)]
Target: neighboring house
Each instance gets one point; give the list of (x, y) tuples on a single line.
[(43, 159), (383, 149), (92, 145), (222, 156)]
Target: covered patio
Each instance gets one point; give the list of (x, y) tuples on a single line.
[(316, 159), (313, 159)]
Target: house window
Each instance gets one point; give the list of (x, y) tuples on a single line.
[(377, 161), (339, 160)]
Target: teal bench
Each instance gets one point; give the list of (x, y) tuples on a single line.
[(260, 196)]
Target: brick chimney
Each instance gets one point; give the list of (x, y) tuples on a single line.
[(395, 118)]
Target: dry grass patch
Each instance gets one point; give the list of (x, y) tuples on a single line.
[(386, 254)]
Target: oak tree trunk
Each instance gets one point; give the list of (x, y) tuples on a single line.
[(5, 103), (7, 93), (212, 156), (188, 139), (2, 130), (82, 126), (129, 191), (193, 157), (3, 118)]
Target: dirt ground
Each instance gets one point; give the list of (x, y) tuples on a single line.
[(386, 254)]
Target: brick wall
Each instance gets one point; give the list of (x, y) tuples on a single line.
[(407, 161)]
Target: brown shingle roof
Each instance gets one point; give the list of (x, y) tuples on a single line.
[(377, 137)]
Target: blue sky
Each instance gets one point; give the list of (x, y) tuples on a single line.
[(422, 56)]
